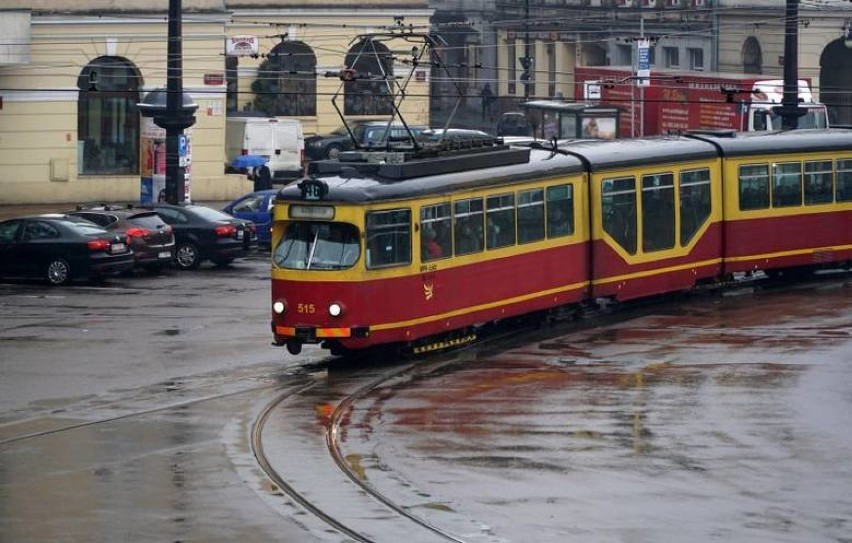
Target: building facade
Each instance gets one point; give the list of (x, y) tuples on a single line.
[(71, 74), (738, 36)]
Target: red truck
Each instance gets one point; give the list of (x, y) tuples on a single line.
[(675, 101)]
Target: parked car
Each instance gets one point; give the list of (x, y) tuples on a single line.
[(257, 208), (367, 134), (152, 240), (61, 248), (202, 233), (458, 138), (514, 123)]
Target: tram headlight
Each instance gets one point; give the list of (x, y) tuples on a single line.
[(279, 307), (335, 309)]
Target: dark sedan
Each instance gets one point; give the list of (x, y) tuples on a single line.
[(151, 239), (367, 134), (60, 249), (203, 233)]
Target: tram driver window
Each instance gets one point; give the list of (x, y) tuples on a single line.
[(754, 186), (318, 246), (388, 238), (787, 184), (618, 206), (530, 215), (658, 215)]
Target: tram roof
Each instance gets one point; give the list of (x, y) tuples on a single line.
[(761, 143), (625, 153), (348, 184)]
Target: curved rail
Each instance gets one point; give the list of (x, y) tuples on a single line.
[(333, 444), (272, 473)]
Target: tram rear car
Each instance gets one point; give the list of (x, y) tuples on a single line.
[(787, 199)]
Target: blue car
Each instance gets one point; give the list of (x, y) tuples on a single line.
[(255, 207)]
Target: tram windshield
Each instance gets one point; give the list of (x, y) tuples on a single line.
[(309, 245)]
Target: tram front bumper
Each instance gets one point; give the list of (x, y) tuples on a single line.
[(312, 334)]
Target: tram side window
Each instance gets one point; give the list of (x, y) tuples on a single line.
[(560, 210), (694, 202), (435, 228), (500, 221), (787, 184), (388, 238), (468, 217), (619, 211), (658, 212), (530, 215), (843, 187), (818, 189), (754, 187)]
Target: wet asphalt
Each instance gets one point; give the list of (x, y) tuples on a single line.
[(126, 412)]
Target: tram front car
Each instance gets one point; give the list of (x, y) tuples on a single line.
[(319, 266)]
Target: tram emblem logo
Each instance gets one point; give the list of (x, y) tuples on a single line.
[(428, 287)]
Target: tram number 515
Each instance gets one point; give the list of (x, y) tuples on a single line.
[(306, 308)]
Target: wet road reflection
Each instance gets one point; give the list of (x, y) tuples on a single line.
[(717, 419)]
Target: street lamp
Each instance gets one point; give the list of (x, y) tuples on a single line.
[(172, 109), (174, 121)]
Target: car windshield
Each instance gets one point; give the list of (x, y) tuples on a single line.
[(317, 246), (210, 214)]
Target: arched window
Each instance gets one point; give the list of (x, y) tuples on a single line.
[(835, 82), (369, 94), (107, 118), (752, 56), (286, 83)]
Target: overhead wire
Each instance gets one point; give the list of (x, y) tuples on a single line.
[(158, 69)]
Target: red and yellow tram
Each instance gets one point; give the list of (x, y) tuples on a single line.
[(395, 247)]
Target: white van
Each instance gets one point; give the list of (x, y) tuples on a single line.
[(280, 141)]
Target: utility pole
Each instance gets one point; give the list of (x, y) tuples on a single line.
[(527, 60), (790, 112), (175, 174), (174, 112)]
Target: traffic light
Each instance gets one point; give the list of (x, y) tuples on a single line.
[(526, 64), (526, 75)]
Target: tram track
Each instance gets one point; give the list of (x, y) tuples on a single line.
[(333, 429), (129, 414)]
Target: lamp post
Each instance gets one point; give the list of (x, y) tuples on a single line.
[(175, 111), (790, 102)]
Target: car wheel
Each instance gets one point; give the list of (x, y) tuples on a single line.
[(187, 257), (333, 152), (58, 272)]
